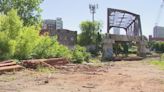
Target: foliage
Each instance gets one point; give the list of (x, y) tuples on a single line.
[(28, 10), (117, 48), (160, 64), (89, 33), (79, 55), (121, 48), (45, 70), (10, 26), (156, 46), (22, 42)]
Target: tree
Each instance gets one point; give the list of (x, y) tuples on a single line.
[(28, 10), (90, 33)]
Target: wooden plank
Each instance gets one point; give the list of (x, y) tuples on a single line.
[(3, 62), (7, 64), (7, 68)]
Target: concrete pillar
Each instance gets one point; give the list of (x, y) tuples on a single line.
[(142, 49), (107, 53)]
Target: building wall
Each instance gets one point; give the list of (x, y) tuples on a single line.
[(158, 32), (53, 24), (64, 37), (59, 23), (49, 24)]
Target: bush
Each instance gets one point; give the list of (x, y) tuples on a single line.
[(156, 46), (80, 55), (10, 26), (21, 42)]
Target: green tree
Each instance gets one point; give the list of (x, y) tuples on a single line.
[(89, 33), (10, 26), (28, 10), (24, 42)]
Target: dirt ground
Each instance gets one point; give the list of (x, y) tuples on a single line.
[(129, 76)]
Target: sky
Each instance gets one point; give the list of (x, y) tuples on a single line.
[(73, 12)]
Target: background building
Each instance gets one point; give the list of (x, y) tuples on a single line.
[(59, 23), (53, 24), (49, 24), (158, 32), (55, 28), (64, 36)]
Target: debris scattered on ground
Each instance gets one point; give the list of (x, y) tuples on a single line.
[(83, 68), (134, 58), (9, 65), (33, 64)]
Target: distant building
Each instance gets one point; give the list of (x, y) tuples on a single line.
[(49, 24), (53, 24), (158, 32), (64, 36), (116, 31), (55, 28), (155, 39), (59, 23)]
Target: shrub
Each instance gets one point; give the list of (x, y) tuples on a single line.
[(156, 46), (80, 55), (7, 46), (22, 42)]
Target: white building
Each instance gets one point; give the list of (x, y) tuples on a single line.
[(116, 31), (158, 32)]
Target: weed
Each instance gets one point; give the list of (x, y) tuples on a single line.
[(160, 64), (45, 69)]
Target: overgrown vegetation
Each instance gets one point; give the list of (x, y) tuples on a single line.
[(156, 46), (24, 42), (80, 55), (28, 10), (90, 36), (160, 64), (121, 48)]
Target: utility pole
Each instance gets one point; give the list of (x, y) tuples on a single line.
[(93, 8)]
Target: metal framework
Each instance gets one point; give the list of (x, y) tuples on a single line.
[(129, 21)]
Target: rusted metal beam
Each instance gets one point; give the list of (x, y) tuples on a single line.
[(131, 22), (122, 19), (117, 27), (108, 21), (122, 11)]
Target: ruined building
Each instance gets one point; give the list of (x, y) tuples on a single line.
[(64, 36)]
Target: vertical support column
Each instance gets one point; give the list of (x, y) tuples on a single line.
[(108, 20), (141, 48), (107, 48)]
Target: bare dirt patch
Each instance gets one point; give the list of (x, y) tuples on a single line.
[(133, 76)]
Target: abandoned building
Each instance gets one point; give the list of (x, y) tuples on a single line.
[(64, 36), (55, 28), (128, 21)]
